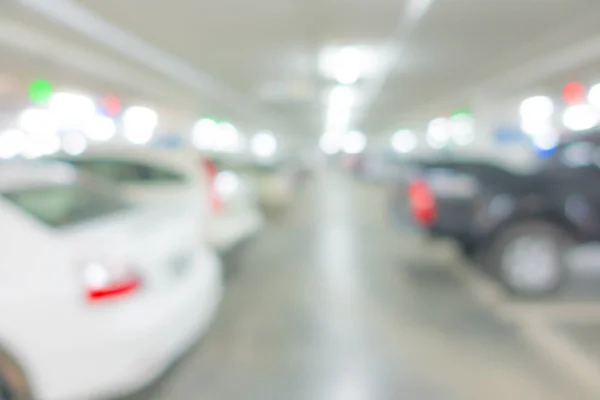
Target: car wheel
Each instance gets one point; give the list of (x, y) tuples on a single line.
[(529, 258), (468, 249), (13, 382)]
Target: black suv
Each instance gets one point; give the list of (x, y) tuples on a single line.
[(518, 226)]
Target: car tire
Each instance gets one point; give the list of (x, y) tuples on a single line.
[(529, 258), (468, 249), (13, 381)]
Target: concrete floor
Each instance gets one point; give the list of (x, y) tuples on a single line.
[(330, 302)]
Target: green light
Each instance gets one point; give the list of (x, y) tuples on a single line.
[(40, 91), (462, 111)]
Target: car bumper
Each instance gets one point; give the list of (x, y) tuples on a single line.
[(126, 348), (230, 228)]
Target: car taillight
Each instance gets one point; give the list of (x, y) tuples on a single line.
[(422, 202), (215, 198), (103, 282)]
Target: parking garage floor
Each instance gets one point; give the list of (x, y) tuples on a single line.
[(330, 302)]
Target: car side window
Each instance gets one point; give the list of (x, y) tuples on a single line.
[(129, 171)]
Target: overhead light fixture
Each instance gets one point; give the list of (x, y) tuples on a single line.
[(404, 141), (74, 144), (226, 138), (139, 124), (339, 108), (38, 145), (12, 143), (330, 143), (264, 144), (38, 121), (462, 127), (346, 64), (354, 142), (594, 95), (546, 142), (438, 132), (538, 108), (204, 134), (580, 117), (69, 107), (537, 128), (100, 128)]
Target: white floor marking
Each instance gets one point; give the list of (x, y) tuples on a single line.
[(564, 355)]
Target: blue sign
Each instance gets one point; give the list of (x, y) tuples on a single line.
[(508, 134), (169, 141)]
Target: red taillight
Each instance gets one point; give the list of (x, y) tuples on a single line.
[(211, 170), (422, 202), (114, 290), (103, 281)]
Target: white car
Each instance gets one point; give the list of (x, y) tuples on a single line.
[(147, 175), (97, 296)]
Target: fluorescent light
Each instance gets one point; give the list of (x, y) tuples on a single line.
[(580, 117), (346, 65), (72, 110), (74, 144), (462, 127), (594, 95), (404, 141), (264, 144), (100, 128), (227, 183), (38, 145), (546, 142), (139, 124), (12, 143), (204, 134), (538, 108), (340, 103), (227, 138), (38, 121), (330, 143), (438, 132), (354, 142)]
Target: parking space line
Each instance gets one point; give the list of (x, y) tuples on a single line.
[(564, 354)]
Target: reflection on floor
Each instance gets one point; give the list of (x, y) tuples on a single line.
[(331, 303)]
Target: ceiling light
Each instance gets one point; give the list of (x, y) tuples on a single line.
[(12, 143), (346, 65), (537, 128), (139, 124), (340, 103), (100, 128), (537, 108), (38, 145), (72, 110), (594, 95), (264, 144), (38, 121), (227, 138), (204, 134), (580, 117), (354, 142), (74, 144), (462, 127), (404, 141), (438, 132), (546, 142), (330, 143)]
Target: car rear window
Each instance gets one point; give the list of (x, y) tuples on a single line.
[(129, 171), (63, 205)]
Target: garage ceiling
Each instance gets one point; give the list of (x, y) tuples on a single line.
[(263, 55)]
